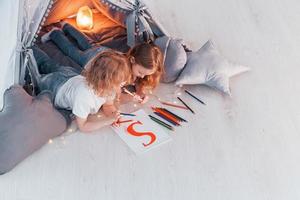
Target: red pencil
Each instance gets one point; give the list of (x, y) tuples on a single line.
[(120, 122), (167, 115)]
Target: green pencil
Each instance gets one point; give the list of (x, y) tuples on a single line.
[(161, 123)]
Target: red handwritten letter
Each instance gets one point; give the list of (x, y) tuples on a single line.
[(131, 131)]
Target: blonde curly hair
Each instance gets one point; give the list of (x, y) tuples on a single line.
[(106, 71)]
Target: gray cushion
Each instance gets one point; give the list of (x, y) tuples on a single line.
[(207, 66), (174, 57), (26, 123)]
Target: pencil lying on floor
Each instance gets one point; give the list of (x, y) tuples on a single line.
[(161, 123), (189, 93), (173, 105), (185, 104), (168, 120), (124, 121), (127, 114), (165, 114), (171, 113)]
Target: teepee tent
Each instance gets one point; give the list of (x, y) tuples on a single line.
[(8, 35), (22, 21)]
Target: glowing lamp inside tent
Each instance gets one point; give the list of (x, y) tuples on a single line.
[(84, 18)]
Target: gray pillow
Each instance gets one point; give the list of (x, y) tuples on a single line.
[(26, 123), (207, 66), (174, 57)]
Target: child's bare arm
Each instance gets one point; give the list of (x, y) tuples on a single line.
[(110, 109), (125, 98), (87, 125)]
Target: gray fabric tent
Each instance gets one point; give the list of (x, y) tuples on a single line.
[(25, 19)]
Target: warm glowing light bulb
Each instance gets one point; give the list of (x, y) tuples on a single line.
[(84, 18)]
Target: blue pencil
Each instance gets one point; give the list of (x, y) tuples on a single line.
[(127, 114), (185, 104), (189, 93)]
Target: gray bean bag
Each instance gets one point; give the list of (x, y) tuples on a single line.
[(26, 124), (174, 57)]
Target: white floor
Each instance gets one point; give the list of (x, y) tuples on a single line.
[(241, 148)]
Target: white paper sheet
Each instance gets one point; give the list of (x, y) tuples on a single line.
[(141, 134)]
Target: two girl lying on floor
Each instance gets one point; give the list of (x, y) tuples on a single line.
[(104, 72)]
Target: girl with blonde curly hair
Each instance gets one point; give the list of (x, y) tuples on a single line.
[(87, 92)]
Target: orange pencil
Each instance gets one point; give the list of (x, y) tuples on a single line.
[(120, 122), (167, 115), (174, 105)]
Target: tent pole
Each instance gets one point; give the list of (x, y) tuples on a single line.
[(17, 71)]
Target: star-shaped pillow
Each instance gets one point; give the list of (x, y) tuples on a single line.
[(207, 66)]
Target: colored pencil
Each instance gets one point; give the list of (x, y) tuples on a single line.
[(127, 114), (131, 94), (167, 119), (188, 92), (171, 113), (120, 122), (161, 123), (128, 92), (185, 104), (173, 105), (166, 115)]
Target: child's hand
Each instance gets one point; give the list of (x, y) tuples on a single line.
[(137, 98), (110, 110), (145, 99), (114, 120), (141, 98)]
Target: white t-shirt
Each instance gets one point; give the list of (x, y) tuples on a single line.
[(77, 96)]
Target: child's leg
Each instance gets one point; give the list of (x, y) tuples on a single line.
[(67, 47), (54, 74), (92, 52), (80, 38), (53, 81), (45, 64)]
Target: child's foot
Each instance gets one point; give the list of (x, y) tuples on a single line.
[(46, 36)]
